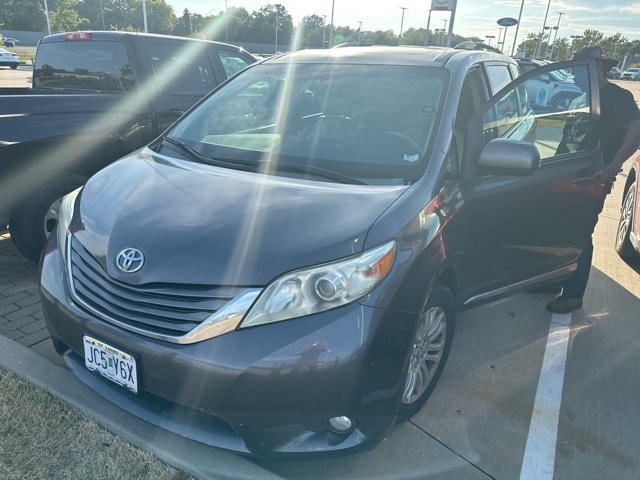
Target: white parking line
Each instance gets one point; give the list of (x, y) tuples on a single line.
[(540, 452)]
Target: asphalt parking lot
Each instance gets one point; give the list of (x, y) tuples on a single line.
[(479, 421)]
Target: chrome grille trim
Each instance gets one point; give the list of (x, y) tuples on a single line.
[(175, 314)]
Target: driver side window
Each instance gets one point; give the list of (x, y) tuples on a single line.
[(550, 110)]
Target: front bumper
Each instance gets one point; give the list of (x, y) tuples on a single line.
[(263, 390)]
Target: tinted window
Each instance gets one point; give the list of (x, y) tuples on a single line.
[(182, 69), (233, 62), (499, 77), (83, 65), (368, 122)]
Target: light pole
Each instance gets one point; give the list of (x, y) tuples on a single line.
[(573, 41), (544, 24), (226, 23), (144, 15), (46, 14), (102, 15), (324, 30), (500, 36), (515, 37), (555, 35), (402, 21), (489, 37), (333, 4), (359, 30)]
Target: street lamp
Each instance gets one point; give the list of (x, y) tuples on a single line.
[(556, 28), (544, 24), (573, 41), (402, 21), (489, 37), (359, 30)]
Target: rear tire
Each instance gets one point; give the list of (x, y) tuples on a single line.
[(13, 67), (430, 349), (623, 246), (33, 219)]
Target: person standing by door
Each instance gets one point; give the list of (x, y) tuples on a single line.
[(619, 139)]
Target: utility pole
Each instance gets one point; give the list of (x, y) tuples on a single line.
[(402, 21)]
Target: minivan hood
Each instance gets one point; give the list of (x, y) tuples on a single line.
[(198, 224)]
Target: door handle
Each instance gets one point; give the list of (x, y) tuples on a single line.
[(586, 181)]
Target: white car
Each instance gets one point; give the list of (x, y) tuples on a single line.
[(630, 74), (9, 59)]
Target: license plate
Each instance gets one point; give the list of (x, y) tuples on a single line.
[(114, 364)]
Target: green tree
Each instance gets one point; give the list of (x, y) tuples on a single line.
[(310, 33)]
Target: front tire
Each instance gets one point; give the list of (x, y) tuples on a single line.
[(430, 349), (34, 218), (623, 246)]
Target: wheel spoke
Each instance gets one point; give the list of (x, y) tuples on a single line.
[(427, 353)]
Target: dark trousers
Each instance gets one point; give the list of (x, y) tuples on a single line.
[(575, 286)]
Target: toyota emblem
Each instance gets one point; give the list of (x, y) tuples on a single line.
[(130, 260)]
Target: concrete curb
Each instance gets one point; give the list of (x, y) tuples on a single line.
[(193, 458)]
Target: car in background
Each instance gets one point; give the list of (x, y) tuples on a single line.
[(9, 59), (630, 74), (614, 73), (10, 42), (628, 234), (554, 90)]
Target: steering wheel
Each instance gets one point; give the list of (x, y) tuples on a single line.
[(407, 139)]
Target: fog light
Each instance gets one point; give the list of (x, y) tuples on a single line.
[(340, 424)]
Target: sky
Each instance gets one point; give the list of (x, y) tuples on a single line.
[(472, 18)]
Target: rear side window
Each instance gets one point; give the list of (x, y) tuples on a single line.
[(233, 62), (86, 65), (182, 69)]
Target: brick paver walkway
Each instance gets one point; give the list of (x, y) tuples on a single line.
[(21, 317)]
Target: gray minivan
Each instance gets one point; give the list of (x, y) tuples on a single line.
[(279, 272)]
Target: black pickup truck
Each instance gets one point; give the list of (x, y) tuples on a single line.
[(95, 97)]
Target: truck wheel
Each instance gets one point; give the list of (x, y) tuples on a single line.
[(33, 220), (430, 349)]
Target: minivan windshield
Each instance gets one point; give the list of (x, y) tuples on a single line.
[(374, 124)]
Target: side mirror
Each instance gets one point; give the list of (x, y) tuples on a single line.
[(503, 156)]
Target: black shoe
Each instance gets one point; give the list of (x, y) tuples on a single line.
[(564, 305)]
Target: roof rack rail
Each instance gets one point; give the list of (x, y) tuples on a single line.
[(470, 45)]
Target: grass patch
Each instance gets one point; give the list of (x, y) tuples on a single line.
[(26, 56), (43, 437)]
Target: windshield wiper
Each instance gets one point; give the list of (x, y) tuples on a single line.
[(272, 166), (194, 155)]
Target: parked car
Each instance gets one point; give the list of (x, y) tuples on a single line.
[(9, 59), (10, 42), (554, 90), (95, 97), (630, 74), (628, 235), (614, 73), (280, 270)]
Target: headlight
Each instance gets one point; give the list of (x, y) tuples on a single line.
[(64, 219), (323, 287)]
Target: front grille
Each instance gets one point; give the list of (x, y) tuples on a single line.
[(164, 309)]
